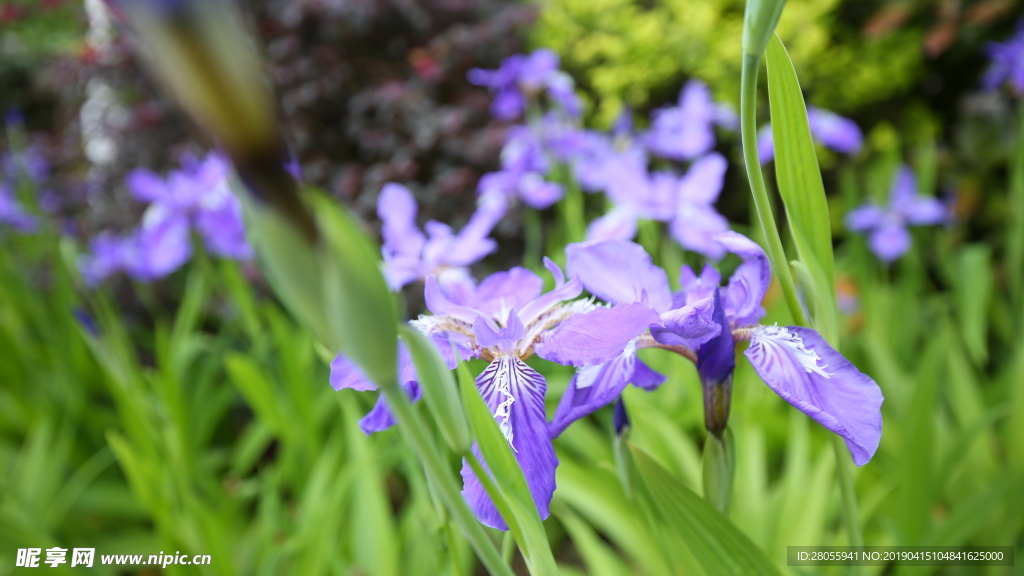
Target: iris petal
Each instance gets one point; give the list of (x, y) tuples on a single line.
[(515, 393), (799, 365)]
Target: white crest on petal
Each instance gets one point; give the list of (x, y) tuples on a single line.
[(780, 336), (500, 372)]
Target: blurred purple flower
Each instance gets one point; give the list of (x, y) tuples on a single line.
[(524, 162), (686, 131), (409, 255), (702, 322), (521, 77), (695, 222), (1007, 62), (887, 225), (13, 214), (29, 162), (828, 128), (196, 197), (687, 203)]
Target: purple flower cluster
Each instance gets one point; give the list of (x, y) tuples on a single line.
[(195, 197), (508, 318), (828, 128), (1007, 62), (886, 226), (617, 163), (522, 78), (409, 255), (17, 166)]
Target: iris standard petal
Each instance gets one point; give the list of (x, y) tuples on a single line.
[(503, 291), (689, 326), (592, 388), (716, 358), (597, 336), (438, 303), (799, 365), (749, 283), (515, 394), (619, 273)]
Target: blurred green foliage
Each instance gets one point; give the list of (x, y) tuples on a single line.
[(602, 42)]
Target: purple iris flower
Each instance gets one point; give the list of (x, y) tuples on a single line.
[(409, 255), (795, 362), (196, 197), (586, 151), (524, 162), (505, 320), (686, 203), (830, 129), (622, 274), (521, 77), (686, 131), (1007, 62), (887, 225), (13, 214), (30, 162)]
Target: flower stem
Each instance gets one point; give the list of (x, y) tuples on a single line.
[(508, 547), (534, 235), (572, 207), (437, 474), (844, 471), (748, 130)]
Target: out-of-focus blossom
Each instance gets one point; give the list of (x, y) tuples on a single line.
[(409, 255), (686, 203), (522, 77), (702, 322), (828, 128), (196, 197), (12, 213), (504, 321), (1007, 62), (886, 226), (29, 162), (695, 222), (524, 163), (686, 131)]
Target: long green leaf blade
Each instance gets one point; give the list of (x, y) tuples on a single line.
[(713, 541), (800, 184), (523, 519)]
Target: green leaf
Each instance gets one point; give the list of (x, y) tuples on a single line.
[(514, 500), (713, 541), (800, 185), (974, 289), (439, 389), (360, 310)]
